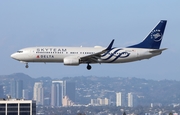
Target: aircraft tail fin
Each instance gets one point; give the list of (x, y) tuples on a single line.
[(154, 38)]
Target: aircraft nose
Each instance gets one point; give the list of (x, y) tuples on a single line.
[(14, 56)]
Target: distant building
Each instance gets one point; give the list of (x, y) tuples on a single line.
[(69, 90), (13, 89), (46, 101), (25, 94), (17, 107), (38, 94), (130, 100), (56, 93), (151, 105), (94, 102), (67, 102), (100, 102), (120, 99), (16, 89), (19, 88), (1, 92), (60, 89), (104, 102)]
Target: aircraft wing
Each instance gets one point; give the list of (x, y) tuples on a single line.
[(94, 58)]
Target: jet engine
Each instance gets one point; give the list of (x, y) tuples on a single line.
[(72, 60)]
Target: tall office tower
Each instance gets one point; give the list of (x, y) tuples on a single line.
[(16, 89), (130, 100), (25, 94), (38, 93), (13, 89), (1, 91), (53, 94), (19, 88), (56, 93), (69, 90), (119, 99)]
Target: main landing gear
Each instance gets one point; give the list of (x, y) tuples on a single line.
[(26, 66), (89, 66)]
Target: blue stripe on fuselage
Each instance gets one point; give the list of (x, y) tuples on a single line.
[(111, 54), (120, 56)]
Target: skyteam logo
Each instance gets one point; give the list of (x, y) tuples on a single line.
[(156, 35)]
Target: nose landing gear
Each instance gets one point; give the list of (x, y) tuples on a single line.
[(89, 66), (26, 66)]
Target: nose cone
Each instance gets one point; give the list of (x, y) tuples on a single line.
[(14, 56)]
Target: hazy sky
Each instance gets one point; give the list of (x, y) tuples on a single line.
[(89, 23)]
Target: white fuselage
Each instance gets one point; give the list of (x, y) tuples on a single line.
[(57, 54)]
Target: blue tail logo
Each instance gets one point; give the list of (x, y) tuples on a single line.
[(154, 38), (156, 35)]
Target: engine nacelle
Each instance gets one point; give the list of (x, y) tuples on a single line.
[(72, 60)]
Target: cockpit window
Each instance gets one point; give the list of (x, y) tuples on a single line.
[(20, 51)]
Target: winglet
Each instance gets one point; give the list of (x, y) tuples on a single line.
[(110, 45)]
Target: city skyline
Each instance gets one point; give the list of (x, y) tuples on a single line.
[(145, 92)]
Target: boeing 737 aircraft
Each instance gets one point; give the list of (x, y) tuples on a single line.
[(74, 56)]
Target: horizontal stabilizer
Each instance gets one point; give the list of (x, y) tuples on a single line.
[(158, 50)]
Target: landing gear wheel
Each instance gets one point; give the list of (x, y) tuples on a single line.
[(26, 65), (88, 67)]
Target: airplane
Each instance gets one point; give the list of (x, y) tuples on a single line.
[(74, 56)]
